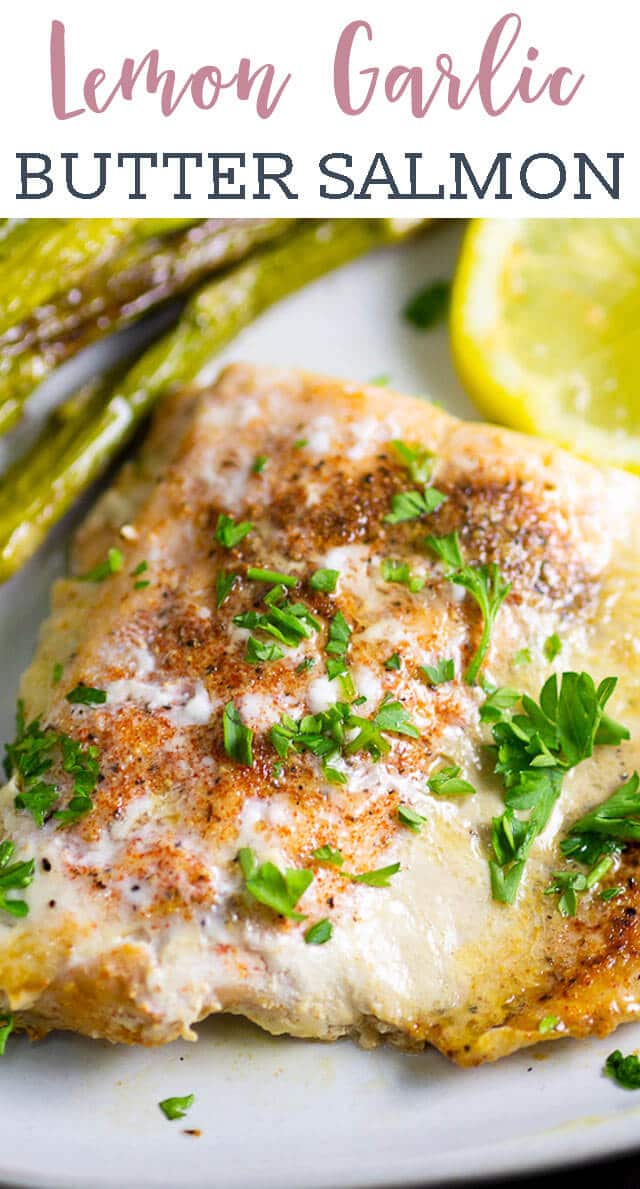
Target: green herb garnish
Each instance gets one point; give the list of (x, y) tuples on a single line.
[(548, 1024), (552, 647), (623, 1070), (447, 783), (86, 695), (259, 652), (485, 585), (410, 818), (57, 672), (522, 657), (229, 534), (256, 575), (429, 306), (411, 505), (287, 622), (324, 580), (319, 933), (176, 1108), (393, 662), (31, 756), (13, 877), (417, 459), (532, 751), (114, 562), (437, 674), (225, 581), (338, 646), (6, 1028), (237, 737), (400, 571), (279, 890), (259, 463)]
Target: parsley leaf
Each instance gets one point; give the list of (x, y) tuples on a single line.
[(6, 1028), (260, 651), (400, 571), (176, 1108), (446, 549), (279, 890), (624, 1070), (443, 670), (319, 933), (114, 562), (552, 647), (56, 674), (489, 589), (522, 657), (237, 737), (417, 459), (325, 854), (447, 783), (616, 818), (31, 756), (376, 879), (429, 306), (13, 877), (228, 533), (548, 1024), (287, 622), (225, 582), (86, 695), (324, 580), (410, 818), (532, 752), (411, 505), (338, 645), (259, 463), (500, 700), (393, 662)]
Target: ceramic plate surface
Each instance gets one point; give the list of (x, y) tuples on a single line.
[(282, 1113)]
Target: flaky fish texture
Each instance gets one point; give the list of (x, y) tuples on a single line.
[(139, 921)]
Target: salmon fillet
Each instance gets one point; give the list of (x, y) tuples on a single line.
[(141, 918)]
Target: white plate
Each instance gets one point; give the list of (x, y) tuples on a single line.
[(287, 1113)]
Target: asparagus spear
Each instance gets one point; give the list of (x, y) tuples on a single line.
[(109, 297), (38, 489), (38, 256)]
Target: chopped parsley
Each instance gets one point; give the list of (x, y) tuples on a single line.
[(229, 534), (306, 664), (141, 568), (325, 734), (259, 463), (259, 652), (324, 580), (610, 893), (176, 1108), (13, 877), (410, 818), (484, 583), (446, 549), (338, 646), (522, 657), (623, 1070), (411, 505), (548, 1024), (447, 783), (56, 674), (141, 584), (443, 670), (237, 737), (417, 459), (499, 700), (400, 571), (256, 575), (375, 879), (31, 757), (113, 563), (6, 1028), (532, 751), (552, 647), (429, 306), (279, 890), (86, 695), (300, 443), (319, 933), (287, 622), (225, 582), (393, 662)]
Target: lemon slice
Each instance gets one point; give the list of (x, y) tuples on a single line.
[(545, 327)]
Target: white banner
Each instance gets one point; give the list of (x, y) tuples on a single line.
[(467, 107)]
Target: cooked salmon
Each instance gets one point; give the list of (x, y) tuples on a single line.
[(269, 788)]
